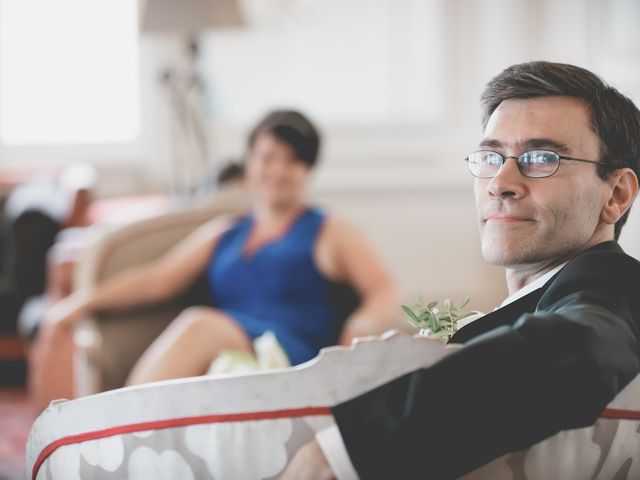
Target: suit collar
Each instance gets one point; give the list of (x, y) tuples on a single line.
[(534, 285), (509, 313), (499, 317)]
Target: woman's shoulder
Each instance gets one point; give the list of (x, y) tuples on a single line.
[(222, 225), (339, 229)]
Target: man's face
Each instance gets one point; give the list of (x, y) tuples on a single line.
[(531, 220)]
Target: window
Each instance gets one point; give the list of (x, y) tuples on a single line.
[(68, 72)]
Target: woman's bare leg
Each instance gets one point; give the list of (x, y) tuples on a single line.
[(188, 346)]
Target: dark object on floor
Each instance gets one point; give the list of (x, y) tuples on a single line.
[(33, 214), (13, 373), (13, 367)]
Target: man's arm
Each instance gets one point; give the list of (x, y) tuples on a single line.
[(507, 389)]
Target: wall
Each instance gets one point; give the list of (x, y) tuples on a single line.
[(394, 86), (400, 176)]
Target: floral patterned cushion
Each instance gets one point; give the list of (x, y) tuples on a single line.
[(247, 426)]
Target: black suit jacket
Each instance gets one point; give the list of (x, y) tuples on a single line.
[(550, 361)]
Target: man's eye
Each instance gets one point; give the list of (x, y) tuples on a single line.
[(493, 160), (538, 158)]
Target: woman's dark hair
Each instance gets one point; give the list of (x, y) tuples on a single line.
[(294, 129), (231, 171), (614, 117)]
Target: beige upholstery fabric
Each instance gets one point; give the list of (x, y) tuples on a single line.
[(109, 344)]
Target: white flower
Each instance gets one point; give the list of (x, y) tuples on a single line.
[(64, 463), (227, 447), (269, 352), (107, 453), (145, 464)]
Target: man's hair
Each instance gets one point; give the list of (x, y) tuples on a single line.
[(614, 118), (292, 128)]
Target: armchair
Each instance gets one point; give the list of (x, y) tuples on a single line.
[(249, 425), (108, 344)]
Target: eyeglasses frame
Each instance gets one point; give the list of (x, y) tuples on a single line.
[(560, 157)]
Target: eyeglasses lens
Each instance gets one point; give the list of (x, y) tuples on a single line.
[(484, 164), (538, 163)]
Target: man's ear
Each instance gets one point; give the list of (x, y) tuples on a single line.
[(624, 188)]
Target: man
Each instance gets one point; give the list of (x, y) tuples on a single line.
[(556, 174)]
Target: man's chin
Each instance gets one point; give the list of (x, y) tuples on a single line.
[(498, 260), (504, 256)]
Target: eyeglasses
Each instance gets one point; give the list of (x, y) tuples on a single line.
[(534, 164)]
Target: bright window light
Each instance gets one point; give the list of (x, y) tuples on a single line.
[(68, 72)]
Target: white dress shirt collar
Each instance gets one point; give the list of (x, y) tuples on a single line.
[(530, 287)]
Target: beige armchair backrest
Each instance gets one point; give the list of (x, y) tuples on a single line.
[(108, 344)]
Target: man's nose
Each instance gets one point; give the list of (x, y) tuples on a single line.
[(508, 182)]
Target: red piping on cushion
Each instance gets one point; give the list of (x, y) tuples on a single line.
[(618, 414), (174, 422), (610, 413)]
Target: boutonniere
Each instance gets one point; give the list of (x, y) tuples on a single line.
[(436, 322)]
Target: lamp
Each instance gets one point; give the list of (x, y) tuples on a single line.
[(184, 85), (180, 16)]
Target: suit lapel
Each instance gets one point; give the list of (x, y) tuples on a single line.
[(506, 315)]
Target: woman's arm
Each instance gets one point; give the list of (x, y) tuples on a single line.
[(345, 255), (145, 284)]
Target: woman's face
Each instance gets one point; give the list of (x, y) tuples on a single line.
[(274, 173)]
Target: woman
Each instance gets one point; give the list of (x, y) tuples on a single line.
[(269, 270)]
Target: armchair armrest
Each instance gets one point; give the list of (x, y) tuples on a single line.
[(108, 344)]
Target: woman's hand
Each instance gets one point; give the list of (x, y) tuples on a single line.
[(64, 314)]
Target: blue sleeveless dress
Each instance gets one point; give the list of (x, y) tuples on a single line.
[(277, 288)]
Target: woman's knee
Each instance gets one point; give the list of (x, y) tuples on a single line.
[(204, 320), (195, 317)]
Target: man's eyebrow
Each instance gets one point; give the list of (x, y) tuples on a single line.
[(529, 144), (491, 143), (549, 143)]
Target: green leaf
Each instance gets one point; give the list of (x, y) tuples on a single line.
[(448, 304), (409, 312), (441, 324), (433, 325), (464, 301), (444, 335)]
